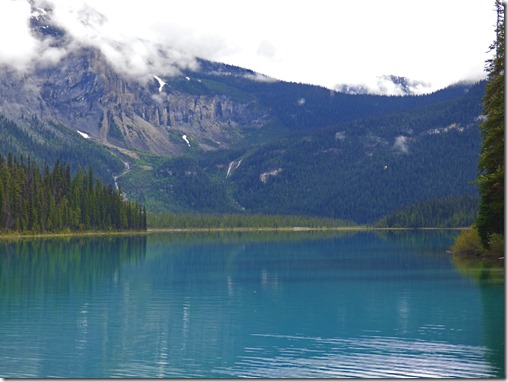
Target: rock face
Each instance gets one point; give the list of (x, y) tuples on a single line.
[(83, 92)]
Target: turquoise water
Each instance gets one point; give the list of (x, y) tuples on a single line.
[(290, 305)]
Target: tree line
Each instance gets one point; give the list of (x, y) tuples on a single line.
[(169, 220), (52, 200), (450, 212)]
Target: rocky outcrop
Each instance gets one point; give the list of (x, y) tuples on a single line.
[(266, 175), (83, 92)]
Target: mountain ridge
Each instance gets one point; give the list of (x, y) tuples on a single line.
[(212, 137)]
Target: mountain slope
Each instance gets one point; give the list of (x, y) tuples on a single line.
[(48, 142), (358, 171), (365, 169), (212, 137)]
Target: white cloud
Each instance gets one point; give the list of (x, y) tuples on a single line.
[(130, 53), (18, 46), (266, 49), (321, 42)]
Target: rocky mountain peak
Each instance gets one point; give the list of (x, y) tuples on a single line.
[(42, 25), (85, 92)]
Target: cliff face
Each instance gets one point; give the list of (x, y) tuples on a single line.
[(83, 92)]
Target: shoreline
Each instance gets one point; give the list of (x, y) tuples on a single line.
[(299, 229), (17, 235)]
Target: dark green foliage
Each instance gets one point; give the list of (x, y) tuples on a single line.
[(468, 244), (50, 142), (167, 220), (491, 178), (358, 172), (451, 212), (52, 200), (179, 185), (76, 262)]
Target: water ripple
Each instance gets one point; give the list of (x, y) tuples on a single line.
[(366, 357)]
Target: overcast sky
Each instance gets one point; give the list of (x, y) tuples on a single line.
[(322, 42)]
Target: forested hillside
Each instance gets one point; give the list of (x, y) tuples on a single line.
[(359, 170), (48, 142), (51, 200), (364, 169), (451, 212), (301, 107)]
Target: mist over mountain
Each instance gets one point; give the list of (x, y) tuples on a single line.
[(183, 134), (388, 85)]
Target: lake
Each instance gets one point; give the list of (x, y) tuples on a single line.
[(268, 305)]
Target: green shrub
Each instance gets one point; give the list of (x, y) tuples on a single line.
[(496, 246), (468, 243)]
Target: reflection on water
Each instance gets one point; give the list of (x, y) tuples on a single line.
[(483, 271), (39, 266), (489, 275), (245, 305), (364, 357)]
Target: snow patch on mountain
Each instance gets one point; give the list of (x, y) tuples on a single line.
[(84, 135), (160, 81), (37, 13), (453, 126)]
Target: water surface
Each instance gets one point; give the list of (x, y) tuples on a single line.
[(290, 305)]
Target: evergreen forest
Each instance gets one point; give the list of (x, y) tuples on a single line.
[(52, 200), (492, 159), (242, 221)]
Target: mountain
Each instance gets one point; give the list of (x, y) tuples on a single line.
[(204, 136), (358, 170)]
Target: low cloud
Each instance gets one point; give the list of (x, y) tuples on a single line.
[(18, 47), (160, 37), (387, 85), (259, 77), (64, 27), (401, 144), (266, 49)]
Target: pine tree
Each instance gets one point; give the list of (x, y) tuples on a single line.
[(56, 201), (491, 178)]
